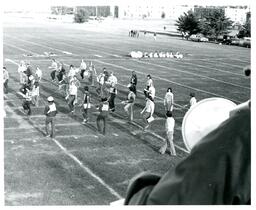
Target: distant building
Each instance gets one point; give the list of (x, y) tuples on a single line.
[(143, 10), (238, 14)]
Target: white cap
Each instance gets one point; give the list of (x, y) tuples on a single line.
[(50, 99)]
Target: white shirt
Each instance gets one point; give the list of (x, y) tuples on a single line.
[(39, 73), (72, 72), (112, 80), (72, 89), (150, 82), (22, 68), (169, 124), (52, 108), (150, 106), (152, 91), (192, 101), (83, 65), (168, 98), (35, 91)]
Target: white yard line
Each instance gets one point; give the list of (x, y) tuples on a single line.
[(127, 69), (99, 56), (195, 74), (170, 81), (87, 170)]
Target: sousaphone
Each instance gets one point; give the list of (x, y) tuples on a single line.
[(204, 117)]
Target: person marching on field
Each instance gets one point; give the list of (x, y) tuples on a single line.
[(100, 80), (6, 79), (133, 81), (102, 117), (149, 82), (169, 128), (168, 100), (38, 74), (86, 105), (54, 67), (72, 96), (130, 103), (147, 112), (61, 72), (64, 84), (112, 81), (192, 100), (35, 93), (83, 68), (21, 70), (27, 102), (50, 111)]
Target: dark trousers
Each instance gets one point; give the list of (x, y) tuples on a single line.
[(50, 120), (82, 73), (102, 119), (71, 102), (26, 106), (86, 114), (53, 73), (112, 102), (6, 86)]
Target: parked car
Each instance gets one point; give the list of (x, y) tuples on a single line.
[(195, 38), (198, 38), (235, 41), (245, 42), (204, 39)]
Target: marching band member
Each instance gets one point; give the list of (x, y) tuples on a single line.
[(50, 111)]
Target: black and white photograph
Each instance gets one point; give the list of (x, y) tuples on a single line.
[(117, 103)]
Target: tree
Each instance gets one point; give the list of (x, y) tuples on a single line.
[(246, 29), (214, 23), (81, 16), (188, 23)]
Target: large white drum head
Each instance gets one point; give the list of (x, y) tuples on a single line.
[(204, 117)]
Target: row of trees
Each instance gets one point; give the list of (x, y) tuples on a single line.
[(210, 23)]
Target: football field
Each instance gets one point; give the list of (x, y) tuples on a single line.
[(79, 166)]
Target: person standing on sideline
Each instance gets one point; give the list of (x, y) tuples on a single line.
[(155, 36), (83, 68), (133, 81), (86, 105), (147, 112), (50, 111), (168, 100), (102, 117), (169, 128), (130, 103), (6, 79)]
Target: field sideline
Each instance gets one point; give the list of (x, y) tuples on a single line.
[(79, 167)]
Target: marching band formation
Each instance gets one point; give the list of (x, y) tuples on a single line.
[(105, 83)]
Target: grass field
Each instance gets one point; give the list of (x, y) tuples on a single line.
[(79, 167)]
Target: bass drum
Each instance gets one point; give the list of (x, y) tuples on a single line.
[(204, 117)]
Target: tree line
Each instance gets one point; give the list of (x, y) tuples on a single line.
[(211, 23)]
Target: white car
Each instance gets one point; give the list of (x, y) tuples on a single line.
[(204, 39)]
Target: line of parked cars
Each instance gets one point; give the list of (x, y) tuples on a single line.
[(225, 39)]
